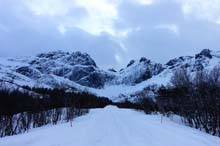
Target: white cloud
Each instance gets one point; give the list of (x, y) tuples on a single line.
[(208, 10), (62, 29), (144, 2), (186, 9), (118, 58), (49, 7), (171, 27), (100, 17)]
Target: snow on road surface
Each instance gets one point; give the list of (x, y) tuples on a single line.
[(114, 127)]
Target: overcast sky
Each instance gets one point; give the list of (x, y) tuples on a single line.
[(111, 31)]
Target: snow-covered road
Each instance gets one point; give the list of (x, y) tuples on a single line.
[(114, 127)]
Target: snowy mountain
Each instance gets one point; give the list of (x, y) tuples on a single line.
[(78, 71)]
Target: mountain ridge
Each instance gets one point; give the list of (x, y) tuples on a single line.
[(78, 71)]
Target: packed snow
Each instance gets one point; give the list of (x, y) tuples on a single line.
[(114, 127)]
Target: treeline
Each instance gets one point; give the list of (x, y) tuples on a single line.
[(144, 104), (22, 122), (13, 102), (23, 110), (195, 97)]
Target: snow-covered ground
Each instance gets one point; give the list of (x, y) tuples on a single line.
[(113, 92), (114, 127)]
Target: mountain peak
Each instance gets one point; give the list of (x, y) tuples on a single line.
[(52, 54), (130, 63), (81, 58), (78, 70), (75, 58), (144, 59), (205, 53)]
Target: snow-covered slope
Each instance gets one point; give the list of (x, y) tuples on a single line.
[(46, 68), (114, 127), (78, 71), (161, 74)]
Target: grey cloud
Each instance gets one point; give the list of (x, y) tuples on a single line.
[(161, 44), (28, 35), (23, 33)]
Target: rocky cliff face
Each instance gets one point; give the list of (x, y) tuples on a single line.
[(206, 59), (78, 70), (50, 68), (138, 71)]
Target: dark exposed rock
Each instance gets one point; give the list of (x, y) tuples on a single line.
[(79, 58), (96, 79), (52, 55), (141, 71), (29, 72), (147, 75), (112, 70), (130, 63), (143, 59), (179, 60), (62, 71), (78, 73), (157, 68), (172, 62), (93, 80), (205, 53), (198, 67), (186, 65)]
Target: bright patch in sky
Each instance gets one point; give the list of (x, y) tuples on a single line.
[(101, 15), (61, 29), (171, 27), (48, 7), (144, 2), (203, 9)]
